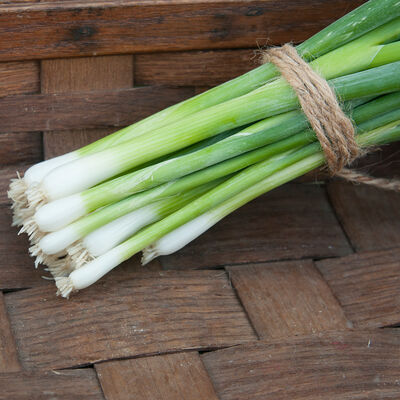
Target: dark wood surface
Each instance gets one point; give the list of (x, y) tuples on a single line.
[(285, 299), (337, 365), (60, 385), (165, 377), (8, 351), (369, 216), (19, 78), (17, 269), (367, 286), (193, 68), (130, 315), (20, 147)]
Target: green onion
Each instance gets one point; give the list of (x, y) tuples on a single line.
[(158, 184), (110, 235), (353, 25), (240, 189), (273, 98), (368, 116), (59, 213)]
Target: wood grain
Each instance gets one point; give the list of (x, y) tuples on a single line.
[(165, 377), (73, 28), (329, 366), (87, 73), (288, 223), (19, 77), (60, 385), (21, 147), (367, 286), (8, 352), (286, 299), (17, 269), (370, 217), (125, 315), (77, 75), (194, 68), (47, 112)]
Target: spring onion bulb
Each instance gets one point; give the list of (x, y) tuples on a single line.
[(99, 241)]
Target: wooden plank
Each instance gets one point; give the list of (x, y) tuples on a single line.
[(194, 68), (8, 352), (370, 217), (22, 147), (288, 223), (60, 385), (287, 298), (367, 286), (19, 78), (73, 28), (165, 377), (339, 365), (87, 73), (17, 269), (82, 74), (127, 314), (47, 112)]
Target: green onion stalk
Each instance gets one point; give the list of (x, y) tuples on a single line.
[(57, 214), (274, 97), (197, 216), (353, 25), (78, 238)]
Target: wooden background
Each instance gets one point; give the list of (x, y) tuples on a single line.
[(295, 296)]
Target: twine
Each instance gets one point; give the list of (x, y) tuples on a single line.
[(333, 128)]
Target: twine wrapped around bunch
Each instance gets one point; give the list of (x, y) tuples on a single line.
[(333, 128)]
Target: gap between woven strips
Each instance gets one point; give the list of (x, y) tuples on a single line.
[(333, 128)]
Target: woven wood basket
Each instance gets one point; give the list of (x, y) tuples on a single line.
[(282, 300)]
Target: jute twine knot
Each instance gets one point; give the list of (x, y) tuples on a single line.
[(331, 125)]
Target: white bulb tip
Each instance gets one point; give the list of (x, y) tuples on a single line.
[(17, 191), (59, 213), (149, 254), (30, 227), (60, 268), (79, 255), (36, 196), (65, 286), (42, 258)]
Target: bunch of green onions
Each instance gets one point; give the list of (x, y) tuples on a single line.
[(156, 185)]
